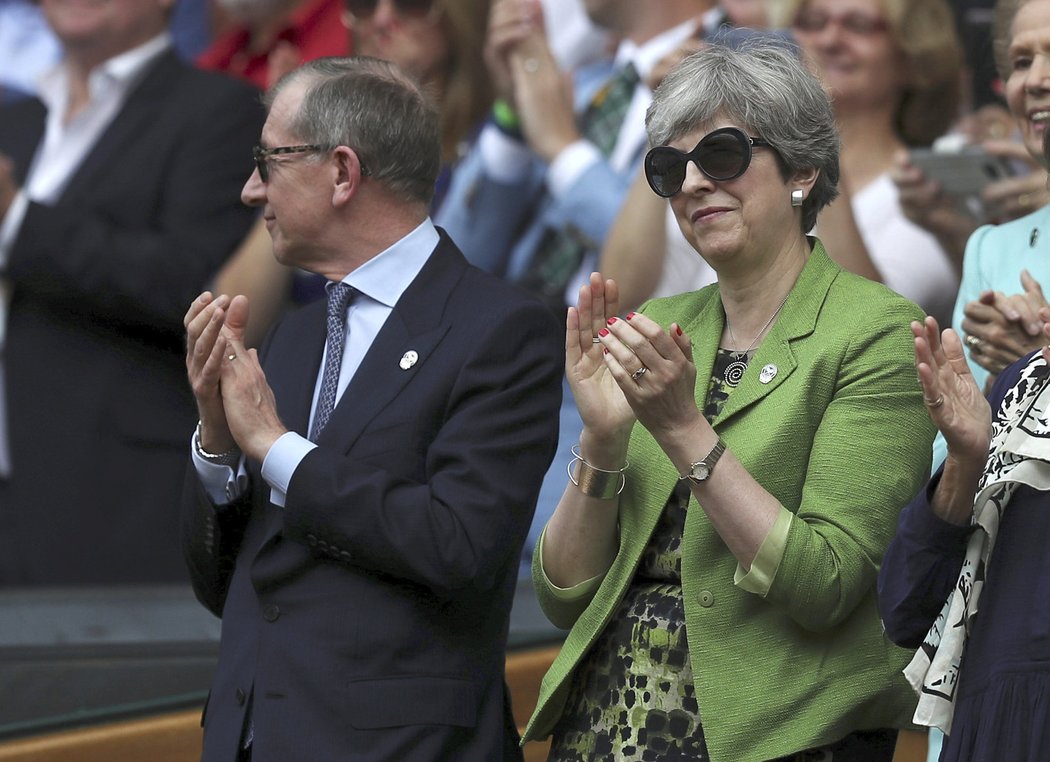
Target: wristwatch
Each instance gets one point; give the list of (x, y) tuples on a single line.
[(701, 470)]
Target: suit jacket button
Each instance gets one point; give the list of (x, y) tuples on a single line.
[(271, 612), (707, 599), (240, 696)]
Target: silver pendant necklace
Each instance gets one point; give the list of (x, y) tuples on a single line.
[(735, 370)]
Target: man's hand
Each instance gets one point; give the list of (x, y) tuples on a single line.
[(510, 22), (543, 94), (251, 410), (205, 351), (9, 186)]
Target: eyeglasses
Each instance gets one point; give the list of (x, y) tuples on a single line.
[(261, 154), (858, 24), (722, 155), (362, 10)]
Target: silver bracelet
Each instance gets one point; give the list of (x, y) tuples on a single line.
[(228, 458), (593, 481)]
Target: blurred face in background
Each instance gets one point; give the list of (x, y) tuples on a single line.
[(851, 44), (408, 33), (1028, 73), (255, 11), (104, 28), (749, 13)]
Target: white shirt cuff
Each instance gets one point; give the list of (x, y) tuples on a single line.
[(220, 482), (505, 159), (280, 463), (569, 166)]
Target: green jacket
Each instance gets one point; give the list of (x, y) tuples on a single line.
[(790, 655)]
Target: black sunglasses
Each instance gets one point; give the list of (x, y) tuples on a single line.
[(724, 154), (362, 10)]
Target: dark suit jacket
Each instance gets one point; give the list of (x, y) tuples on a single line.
[(100, 409), (370, 614)]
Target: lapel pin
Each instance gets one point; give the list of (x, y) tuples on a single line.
[(408, 359), (768, 373), (1033, 238)]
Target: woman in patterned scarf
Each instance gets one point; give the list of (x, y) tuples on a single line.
[(983, 680)]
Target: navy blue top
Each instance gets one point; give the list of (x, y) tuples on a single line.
[(1003, 702)]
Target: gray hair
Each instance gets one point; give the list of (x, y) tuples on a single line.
[(765, 87), (373, 107)]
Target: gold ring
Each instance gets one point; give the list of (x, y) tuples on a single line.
[(933, 404), (231, 357)]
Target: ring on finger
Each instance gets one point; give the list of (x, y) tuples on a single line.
[(974, 343), (231, 357), (639, 373), (596, 340), (933, 404)]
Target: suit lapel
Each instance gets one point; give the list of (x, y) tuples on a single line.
[(144, 105), (775, 353), (416, 325)]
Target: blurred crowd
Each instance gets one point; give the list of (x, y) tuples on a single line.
[(126, 132)]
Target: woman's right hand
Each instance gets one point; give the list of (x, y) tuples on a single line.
[(604, 410), (953, 399), (925, 203)]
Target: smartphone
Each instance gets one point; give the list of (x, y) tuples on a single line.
[(963, 173)]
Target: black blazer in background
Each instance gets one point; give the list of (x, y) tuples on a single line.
[(99, 405), (367, 619)]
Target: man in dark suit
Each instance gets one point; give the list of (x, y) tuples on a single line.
[(119, 199), (361, 488)]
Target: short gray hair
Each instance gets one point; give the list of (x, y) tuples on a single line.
[(765, 87), (373, 107)]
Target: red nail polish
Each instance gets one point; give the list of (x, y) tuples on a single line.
[(611, 320), (630, 315), (605, 351), (678, 328), (603, 332)]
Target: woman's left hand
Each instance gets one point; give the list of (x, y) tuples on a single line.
[(655, 371)]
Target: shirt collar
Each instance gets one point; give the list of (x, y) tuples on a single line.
[(121, 70), (386, 276), (646, 56)]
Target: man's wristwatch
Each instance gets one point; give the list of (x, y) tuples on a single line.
[(701, 470)]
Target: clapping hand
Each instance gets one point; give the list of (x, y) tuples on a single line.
[(1000, 329), (603, 407), (955, 403)]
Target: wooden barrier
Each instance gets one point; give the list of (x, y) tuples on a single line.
[(176, 737)]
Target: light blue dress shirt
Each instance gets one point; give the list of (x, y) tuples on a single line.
[(380, 282)]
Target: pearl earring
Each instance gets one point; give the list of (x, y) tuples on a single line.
[(797, 197)]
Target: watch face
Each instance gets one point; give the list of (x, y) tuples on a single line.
[(700, 472)]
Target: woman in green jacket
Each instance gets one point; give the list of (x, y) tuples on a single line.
[(716, 550)]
